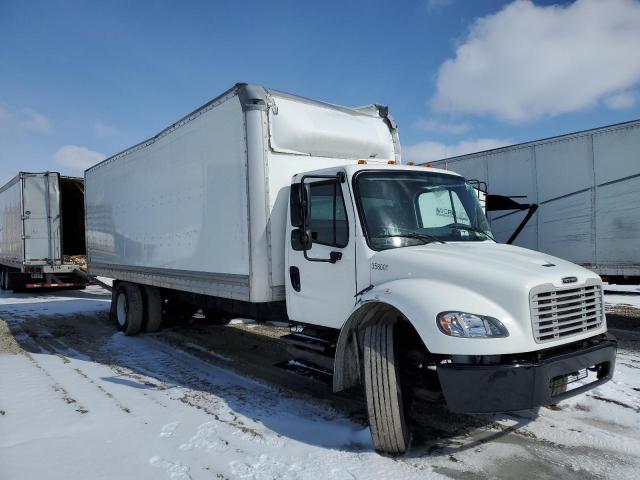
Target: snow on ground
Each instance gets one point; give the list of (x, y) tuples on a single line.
[(624, 300), (621, 296), (83, 401)]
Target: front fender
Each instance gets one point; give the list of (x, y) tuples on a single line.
[(420, 300)]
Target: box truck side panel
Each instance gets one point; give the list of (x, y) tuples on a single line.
[(42, 232), (618, 227), (564, 171), (616, 154), (11, 242), (514, 174), (617, 219), (565, 228), (563, 167), (173, 212)]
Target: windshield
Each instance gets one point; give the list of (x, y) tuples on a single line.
[(400, 209)]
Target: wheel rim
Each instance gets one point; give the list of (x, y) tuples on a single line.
[(121, 309)]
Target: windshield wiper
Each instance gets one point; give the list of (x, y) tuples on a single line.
[(462, 226), (419, 236)]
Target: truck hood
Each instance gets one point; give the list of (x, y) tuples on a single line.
[(484, 278), (483, 265)]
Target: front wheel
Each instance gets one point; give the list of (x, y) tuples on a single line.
[(129, 308), (385, 407)]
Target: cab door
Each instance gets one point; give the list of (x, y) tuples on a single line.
[(321, 281)]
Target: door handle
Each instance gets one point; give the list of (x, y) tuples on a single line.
[(294, 276), (335, 256)]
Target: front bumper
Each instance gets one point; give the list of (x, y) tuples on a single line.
[(521, 386)]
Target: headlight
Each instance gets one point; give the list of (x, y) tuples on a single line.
[(468, 325)]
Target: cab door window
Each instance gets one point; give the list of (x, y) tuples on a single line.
[(328, 218)]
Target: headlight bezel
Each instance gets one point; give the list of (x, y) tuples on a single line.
[(459, 325)]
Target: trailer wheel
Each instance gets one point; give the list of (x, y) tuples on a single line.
[(152, 309), (129, 308), (3, 281), (112, 310), (385, 407)]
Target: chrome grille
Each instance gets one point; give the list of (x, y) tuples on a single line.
[(563, 312)]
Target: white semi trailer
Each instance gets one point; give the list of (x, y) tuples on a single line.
[(586, 187), (41, 222), (266, 204)]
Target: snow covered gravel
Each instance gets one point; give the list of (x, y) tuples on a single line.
[(80, 401)]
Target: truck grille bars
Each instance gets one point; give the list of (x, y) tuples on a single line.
[(563, 312)]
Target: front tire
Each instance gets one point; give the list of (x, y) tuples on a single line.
[(129, 308), (385, 407)]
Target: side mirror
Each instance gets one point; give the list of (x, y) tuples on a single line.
[(301, 240), (299, 204)]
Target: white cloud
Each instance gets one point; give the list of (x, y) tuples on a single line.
[(443, 127), (528, 61), (103, 130), (76, 157), (621, 100), (25, 120), (430, 151)]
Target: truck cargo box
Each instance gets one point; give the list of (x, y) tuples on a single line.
[(41, 223)]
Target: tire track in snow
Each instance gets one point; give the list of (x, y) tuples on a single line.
[(46, 343)]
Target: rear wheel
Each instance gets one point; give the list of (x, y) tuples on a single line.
[(153, 309), (129, 308), (385, 407), (3, 282)]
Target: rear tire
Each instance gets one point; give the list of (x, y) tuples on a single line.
[(3, 281), (129, 308), (153, 309), (385, 407)]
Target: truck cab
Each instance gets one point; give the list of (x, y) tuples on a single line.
[(402, 262)]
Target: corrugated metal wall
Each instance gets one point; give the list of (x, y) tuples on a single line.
[(587, 186)]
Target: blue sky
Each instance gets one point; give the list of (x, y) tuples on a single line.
[(83, 79)]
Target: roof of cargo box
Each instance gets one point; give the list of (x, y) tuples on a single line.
[(257, 97), (19, 175), (557, 138)]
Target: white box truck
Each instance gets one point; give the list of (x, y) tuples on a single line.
[(587, 189), (268, 204), (41, 222)]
